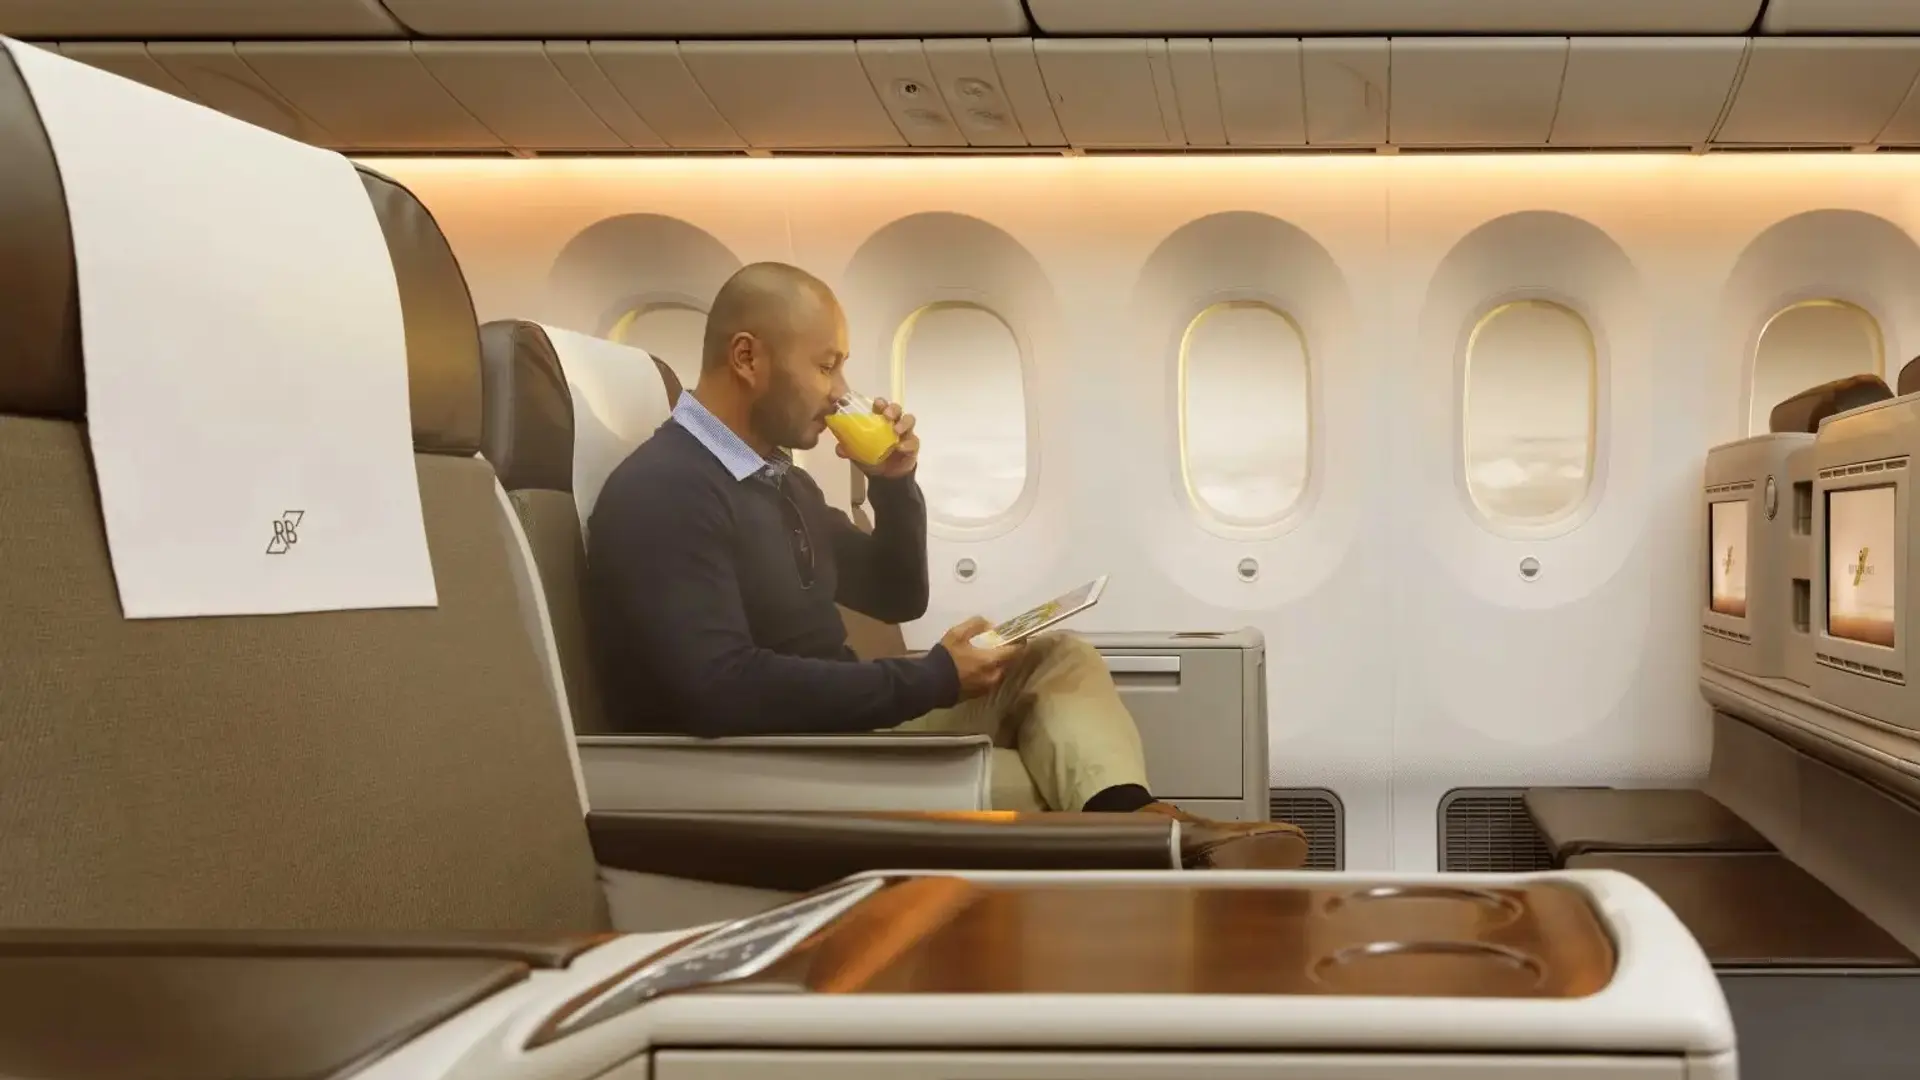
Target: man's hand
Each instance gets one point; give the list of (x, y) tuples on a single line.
[(905, 456), (980, 669)]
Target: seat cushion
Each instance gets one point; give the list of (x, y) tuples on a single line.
[(1757, 910), (1575, 821)]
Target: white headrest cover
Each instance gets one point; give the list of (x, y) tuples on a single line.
[(246, 364), (618, 401)]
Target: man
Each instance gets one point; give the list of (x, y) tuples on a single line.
[(716, 567)]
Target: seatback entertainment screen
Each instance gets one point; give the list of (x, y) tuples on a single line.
[(1862, 528), (1727, 558)]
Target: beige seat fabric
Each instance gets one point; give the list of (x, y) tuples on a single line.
[(258, 772), (530, 439)]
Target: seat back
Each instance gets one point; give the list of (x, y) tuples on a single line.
[(1910, 378), (395, 769), (1803, 411)]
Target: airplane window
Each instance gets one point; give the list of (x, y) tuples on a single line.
[(957, 368), (1245, 430), (1810, 343), (672, 332), (1529, 412)]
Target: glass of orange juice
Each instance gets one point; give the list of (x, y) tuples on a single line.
[(868, 436)]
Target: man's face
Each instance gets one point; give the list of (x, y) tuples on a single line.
[(805, 379)]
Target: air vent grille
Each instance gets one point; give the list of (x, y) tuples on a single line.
[(1871, 671), (1488, 830), (1319, 813), (1864, 468), (1730, 635), (1729, 489)]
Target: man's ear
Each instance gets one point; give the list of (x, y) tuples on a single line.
[(745, 357)]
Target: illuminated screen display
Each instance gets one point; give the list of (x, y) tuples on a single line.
[(1727, 552), (1861, 586)]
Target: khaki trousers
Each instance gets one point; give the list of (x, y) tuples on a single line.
[(1060, 730)]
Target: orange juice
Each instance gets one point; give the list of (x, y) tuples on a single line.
[(868, 436)]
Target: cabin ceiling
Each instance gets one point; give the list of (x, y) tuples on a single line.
[(751, 76)]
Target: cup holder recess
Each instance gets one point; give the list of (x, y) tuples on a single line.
[(1498, 909), (1431, 968)]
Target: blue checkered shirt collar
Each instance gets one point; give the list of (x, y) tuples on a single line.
[(740, 460)]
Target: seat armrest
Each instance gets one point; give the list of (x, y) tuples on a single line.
[(534, 948), (868, 771), (799, 852)]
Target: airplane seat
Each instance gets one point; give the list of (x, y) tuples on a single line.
[(1803, 411), (563, 410), (1910, 378)]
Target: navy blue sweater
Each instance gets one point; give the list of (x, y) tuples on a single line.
[(702, 617)]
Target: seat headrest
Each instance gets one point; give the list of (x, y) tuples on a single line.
[(41, 373), (1910, 378), (1803, 411), (443, 335), (526, 427)]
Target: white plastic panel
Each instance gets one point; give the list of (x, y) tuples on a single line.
[(706, 18), (197, 18), (217, 76), (1027, 92), (1831, 91), (975, 91), (1262, 94), (1347, 82), (905, 84), (792, 94), (1198, 17), (1645, 91), (1107, 93), (1475, 92), (515, 90), (1842, 17), (129, 60), (653, 79), (574, 61), (369, 96)]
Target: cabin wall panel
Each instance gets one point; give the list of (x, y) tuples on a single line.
[(1407, 655)]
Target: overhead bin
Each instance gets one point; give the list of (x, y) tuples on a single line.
[(1116, 93), (988, 103), (1819, 91), (798, 94), (1195, 18), (673, 19), (1347, 83), (1475, 91), (517, 93), (1842, 17), (1651, 92), (369, 96), (122, 19), (654, 80), (127, 59), (219, 79)]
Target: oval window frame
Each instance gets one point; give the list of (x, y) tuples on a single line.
[(1799, 298), (902, 337), (616, 328), (1196, 508), (1598, 416)]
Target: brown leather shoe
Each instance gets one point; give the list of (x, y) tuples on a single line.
[(1235, 845)]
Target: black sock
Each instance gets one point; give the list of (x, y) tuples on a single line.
[(1119, 799)]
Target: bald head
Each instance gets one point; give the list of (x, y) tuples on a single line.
[(771, 362), (770, 300)]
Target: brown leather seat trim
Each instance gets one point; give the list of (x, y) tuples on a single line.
[(527, 428), (1803, 411), (1909, 378), (800, 851), (1749, 910), (532, 948), (106, 1017), (39, 292), (1577, 821)]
